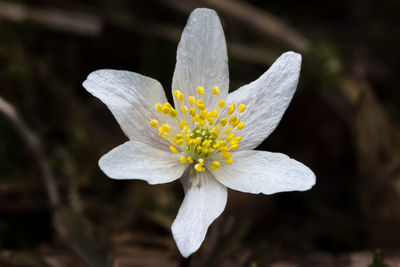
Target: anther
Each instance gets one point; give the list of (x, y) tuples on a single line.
[(223, 121), (227, 155), (180, 97), (184, 109), (216, 90), (173, 150), (241, 108), (183, 160), (240, 125), (229, 161), (221, 103), (159, 107), (231, 109), (200, 90), (154, 123), (191, 100)]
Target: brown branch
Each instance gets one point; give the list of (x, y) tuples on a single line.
[(69, 21), (35, 148), (75, 230)]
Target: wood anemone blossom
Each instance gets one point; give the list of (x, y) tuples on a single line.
[(206, 139)]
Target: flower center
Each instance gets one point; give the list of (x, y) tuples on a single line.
[(203, 137)]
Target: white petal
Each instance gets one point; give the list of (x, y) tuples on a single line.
[(265, 172), (204, 201), (202, 58), (266, 99), (136, 160), (131, 97)]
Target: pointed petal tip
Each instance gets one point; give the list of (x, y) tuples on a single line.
[(185, 250), (292, 55), (204, 10)]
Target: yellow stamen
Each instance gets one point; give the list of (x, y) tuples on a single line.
[(223, 121), (183, 160), (184, 109), (180, 97), (227, 155), (154, 123), (216, 90), (201, 135), (200, 90), (158, 107), (229, 161), (173, 150), (173, 113), (240, 125), (191, 100), (231, 109)]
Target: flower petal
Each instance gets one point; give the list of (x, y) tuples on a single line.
[(204, 201), (136, 160), (267, 99), (265, 172), (202, 58), (131, 97)]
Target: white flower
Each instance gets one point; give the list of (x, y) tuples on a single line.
[(207, 139)]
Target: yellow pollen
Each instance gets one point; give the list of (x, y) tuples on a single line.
[(227, 155), (215, 90), (200, 135), (241, 108), (192, 111), (200, 104), (191, 100), (173, 150), (229, 161), (173, 113), (166, 110), (232, 120), (180, 97), (158, 107), (223, 121), (154, 123), (183, 160), (215, 165), (234, 146), (238, 138), (200, 90), (240, 125), (231, 109), (182, 124), (215, 113), (184, 109)]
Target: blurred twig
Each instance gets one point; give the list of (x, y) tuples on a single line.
[(69, 21), (35, 148), (73, 228)]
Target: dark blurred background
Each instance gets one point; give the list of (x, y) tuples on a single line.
[(58, 209)]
